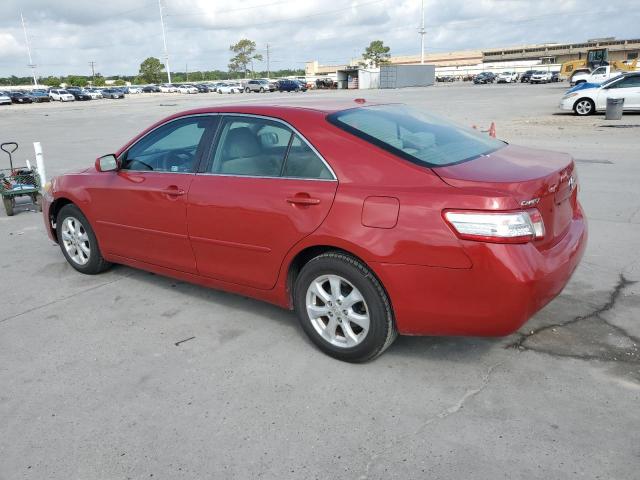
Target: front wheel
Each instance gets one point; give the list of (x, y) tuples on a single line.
[(78, 242), (584, 107), (343, 308), (261, 90)]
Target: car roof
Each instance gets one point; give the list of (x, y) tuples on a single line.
[(275, 110)]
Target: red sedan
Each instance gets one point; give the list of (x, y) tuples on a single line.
[(369, 220)]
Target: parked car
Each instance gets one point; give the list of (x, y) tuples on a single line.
[(20, 97), (202, 88), (80, 95), (186, 89), (39, 96), (286, 85), (507, 77), (227, 88), (133, 90), (60, 95), (112, 93), (555, 76), (168, 88), (484, 77), (586, 99), (150, 89), (94, 93), (259, 86), (599, 75), (441, 230), (526, 76), (540, 77), (5, 98)]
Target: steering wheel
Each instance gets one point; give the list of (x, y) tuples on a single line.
[(177, 158)]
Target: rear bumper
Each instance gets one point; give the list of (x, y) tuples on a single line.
[(505, 287)]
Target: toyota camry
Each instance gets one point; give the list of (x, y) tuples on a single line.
[(368, 220)]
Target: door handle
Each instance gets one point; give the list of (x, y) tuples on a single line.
[(303, 201), (173, 191)]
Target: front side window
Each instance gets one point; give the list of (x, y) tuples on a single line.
[(628, 82), (416, 136), (173, 147)]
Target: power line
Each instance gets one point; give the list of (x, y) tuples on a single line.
[(93, 71), (422, 32)]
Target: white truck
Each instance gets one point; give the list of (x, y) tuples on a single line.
[(599, 75)]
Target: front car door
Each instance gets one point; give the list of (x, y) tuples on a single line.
[(140, 210), (263, 189)]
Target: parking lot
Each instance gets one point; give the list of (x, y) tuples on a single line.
[(131, 375)]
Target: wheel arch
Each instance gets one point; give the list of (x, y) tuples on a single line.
[(301, 258), (589, 99)]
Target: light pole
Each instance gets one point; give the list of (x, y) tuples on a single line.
[(26, 40), (164, 41), (422, 33)]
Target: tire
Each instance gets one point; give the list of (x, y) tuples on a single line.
[(328, 332), (94, 263), (247, 90), (584, 107), (8, 205), (261, 90), (37, 200)]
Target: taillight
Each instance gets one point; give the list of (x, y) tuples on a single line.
[(496, 227)]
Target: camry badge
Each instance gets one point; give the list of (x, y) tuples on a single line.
[(530, 203)]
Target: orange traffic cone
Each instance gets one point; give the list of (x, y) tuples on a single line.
[(492, 130)]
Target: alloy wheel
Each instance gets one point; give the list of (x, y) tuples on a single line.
[(337, 310), (583, 107), (76, 241)]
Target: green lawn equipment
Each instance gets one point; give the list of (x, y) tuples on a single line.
[(18, 182)]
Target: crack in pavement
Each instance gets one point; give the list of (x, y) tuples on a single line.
[(61, 299), (622, 283), (456, 407)]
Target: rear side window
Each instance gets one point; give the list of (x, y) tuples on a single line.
[(416, 136), (302, 162)]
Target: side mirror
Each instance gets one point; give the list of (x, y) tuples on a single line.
[(107, 163)]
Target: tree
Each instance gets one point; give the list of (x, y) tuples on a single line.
[(376, 54), (99, 81), (76, 81), (245, 54), (151, 70)]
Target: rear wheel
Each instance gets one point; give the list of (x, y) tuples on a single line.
[(37, 200), (343, 308), (8, 205), (247, 90), (261, 90), (584, 107), (78, 242)]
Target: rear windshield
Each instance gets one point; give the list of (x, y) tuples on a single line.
[(419, 137)]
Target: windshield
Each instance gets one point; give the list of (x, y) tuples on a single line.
[(414, 135)]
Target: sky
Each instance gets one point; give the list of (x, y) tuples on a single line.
[(65, 35)]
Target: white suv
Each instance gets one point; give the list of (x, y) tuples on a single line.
[(540, 77), (61, 95)]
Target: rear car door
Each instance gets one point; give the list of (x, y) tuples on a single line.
[(140, 210), (262, 190), (627, 88)]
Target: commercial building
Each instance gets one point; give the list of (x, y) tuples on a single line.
[(520, 58)]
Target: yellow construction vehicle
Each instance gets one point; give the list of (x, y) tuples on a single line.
[(595, 58)]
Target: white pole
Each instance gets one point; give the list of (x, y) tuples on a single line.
[(40, 163), (164, 41), (26, 40), (422, 32)]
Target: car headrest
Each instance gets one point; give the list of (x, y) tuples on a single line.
[(241, 142)]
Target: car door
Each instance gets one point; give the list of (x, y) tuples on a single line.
[(140, 209), (599, 75), (628, 87), (262, 190)]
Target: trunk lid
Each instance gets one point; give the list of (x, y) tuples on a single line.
[(535, 178)]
